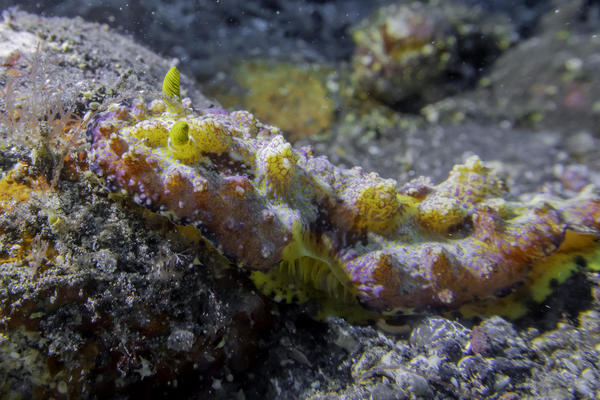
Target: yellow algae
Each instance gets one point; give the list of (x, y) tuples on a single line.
[(291, 97)]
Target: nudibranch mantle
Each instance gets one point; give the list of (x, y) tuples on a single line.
[(309, 229)]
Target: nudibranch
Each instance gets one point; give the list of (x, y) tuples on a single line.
[(308, 229)]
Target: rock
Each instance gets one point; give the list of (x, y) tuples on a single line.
[(419, 52), (95, 296)]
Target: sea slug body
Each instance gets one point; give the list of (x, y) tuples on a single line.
[(310, 229)]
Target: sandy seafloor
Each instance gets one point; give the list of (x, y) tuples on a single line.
[(101, 299)]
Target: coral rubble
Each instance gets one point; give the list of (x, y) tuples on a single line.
[(425, 50), (310, 229)]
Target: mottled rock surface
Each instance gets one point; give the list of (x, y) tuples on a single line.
[(96, 296)]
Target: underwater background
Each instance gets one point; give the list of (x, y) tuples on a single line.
[(324, 199)]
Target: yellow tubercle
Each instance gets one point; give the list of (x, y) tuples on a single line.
[(278, 162), (248, 120), (441, 214), (472, 164), (152, 132), (378, 206), (157, 107), (470, 183), (209, 136)]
